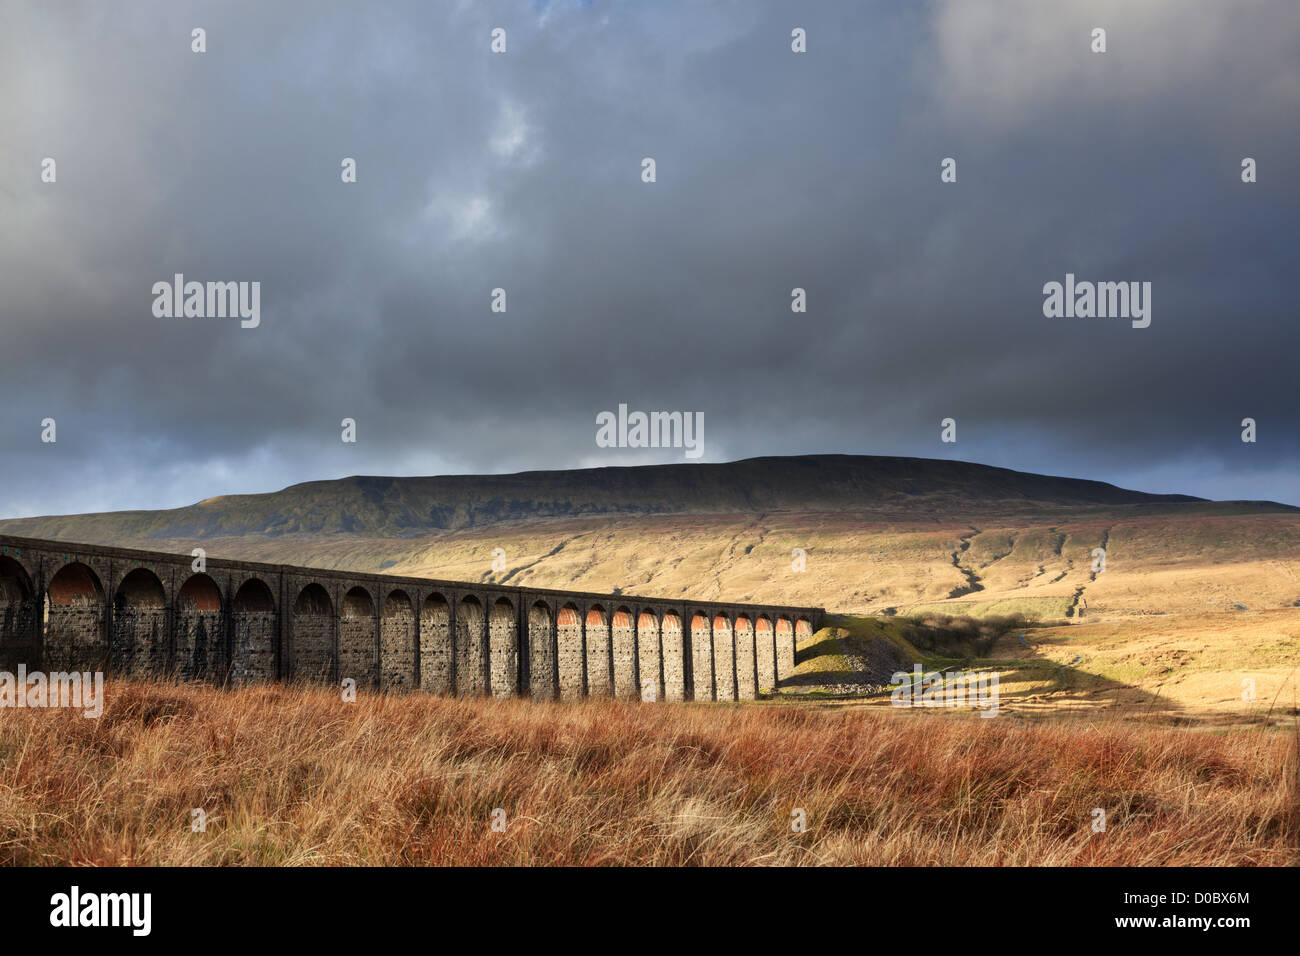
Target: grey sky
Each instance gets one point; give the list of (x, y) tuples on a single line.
[(522, 171)]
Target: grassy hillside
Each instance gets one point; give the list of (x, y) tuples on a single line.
[(853, 562), (877, 535), (408, 506)]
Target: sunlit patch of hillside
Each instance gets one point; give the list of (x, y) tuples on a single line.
[(853, 563)]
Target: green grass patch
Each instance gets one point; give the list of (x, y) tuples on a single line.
[(863, 631)]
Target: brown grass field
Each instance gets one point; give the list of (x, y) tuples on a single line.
[(293, 776)]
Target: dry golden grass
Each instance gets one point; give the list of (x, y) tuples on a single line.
[(856, 563), (294, 776), (1189, 665)]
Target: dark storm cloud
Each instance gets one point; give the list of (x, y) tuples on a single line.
[(522, 171)]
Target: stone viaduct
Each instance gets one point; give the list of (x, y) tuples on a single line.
[(66, 607)]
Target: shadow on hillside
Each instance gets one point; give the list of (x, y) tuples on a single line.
[(1040, 684), (1029, 685), (837, 671), (1067, 688)]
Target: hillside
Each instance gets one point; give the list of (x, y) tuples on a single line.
[(877, 535), (1195, 596), (377, 506)]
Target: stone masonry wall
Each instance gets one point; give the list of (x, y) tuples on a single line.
[(647, 640), (435, 647), (397, 644), (469, 650), (723, 660), (745, 682), (139, 644), (18, 638), (702, 658), (312, 624), (503, 650), (597, 655), (152, 614), (766, 649), (784, 649), (253, 656), (569, 637), (625, 663), (541, 654), (74, 637), (200, 645), (313, 647), (674, 672), (356, 650)]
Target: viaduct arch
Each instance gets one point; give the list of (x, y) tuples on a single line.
[(139, 613)]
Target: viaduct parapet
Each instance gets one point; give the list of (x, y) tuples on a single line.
[(66, 607)]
